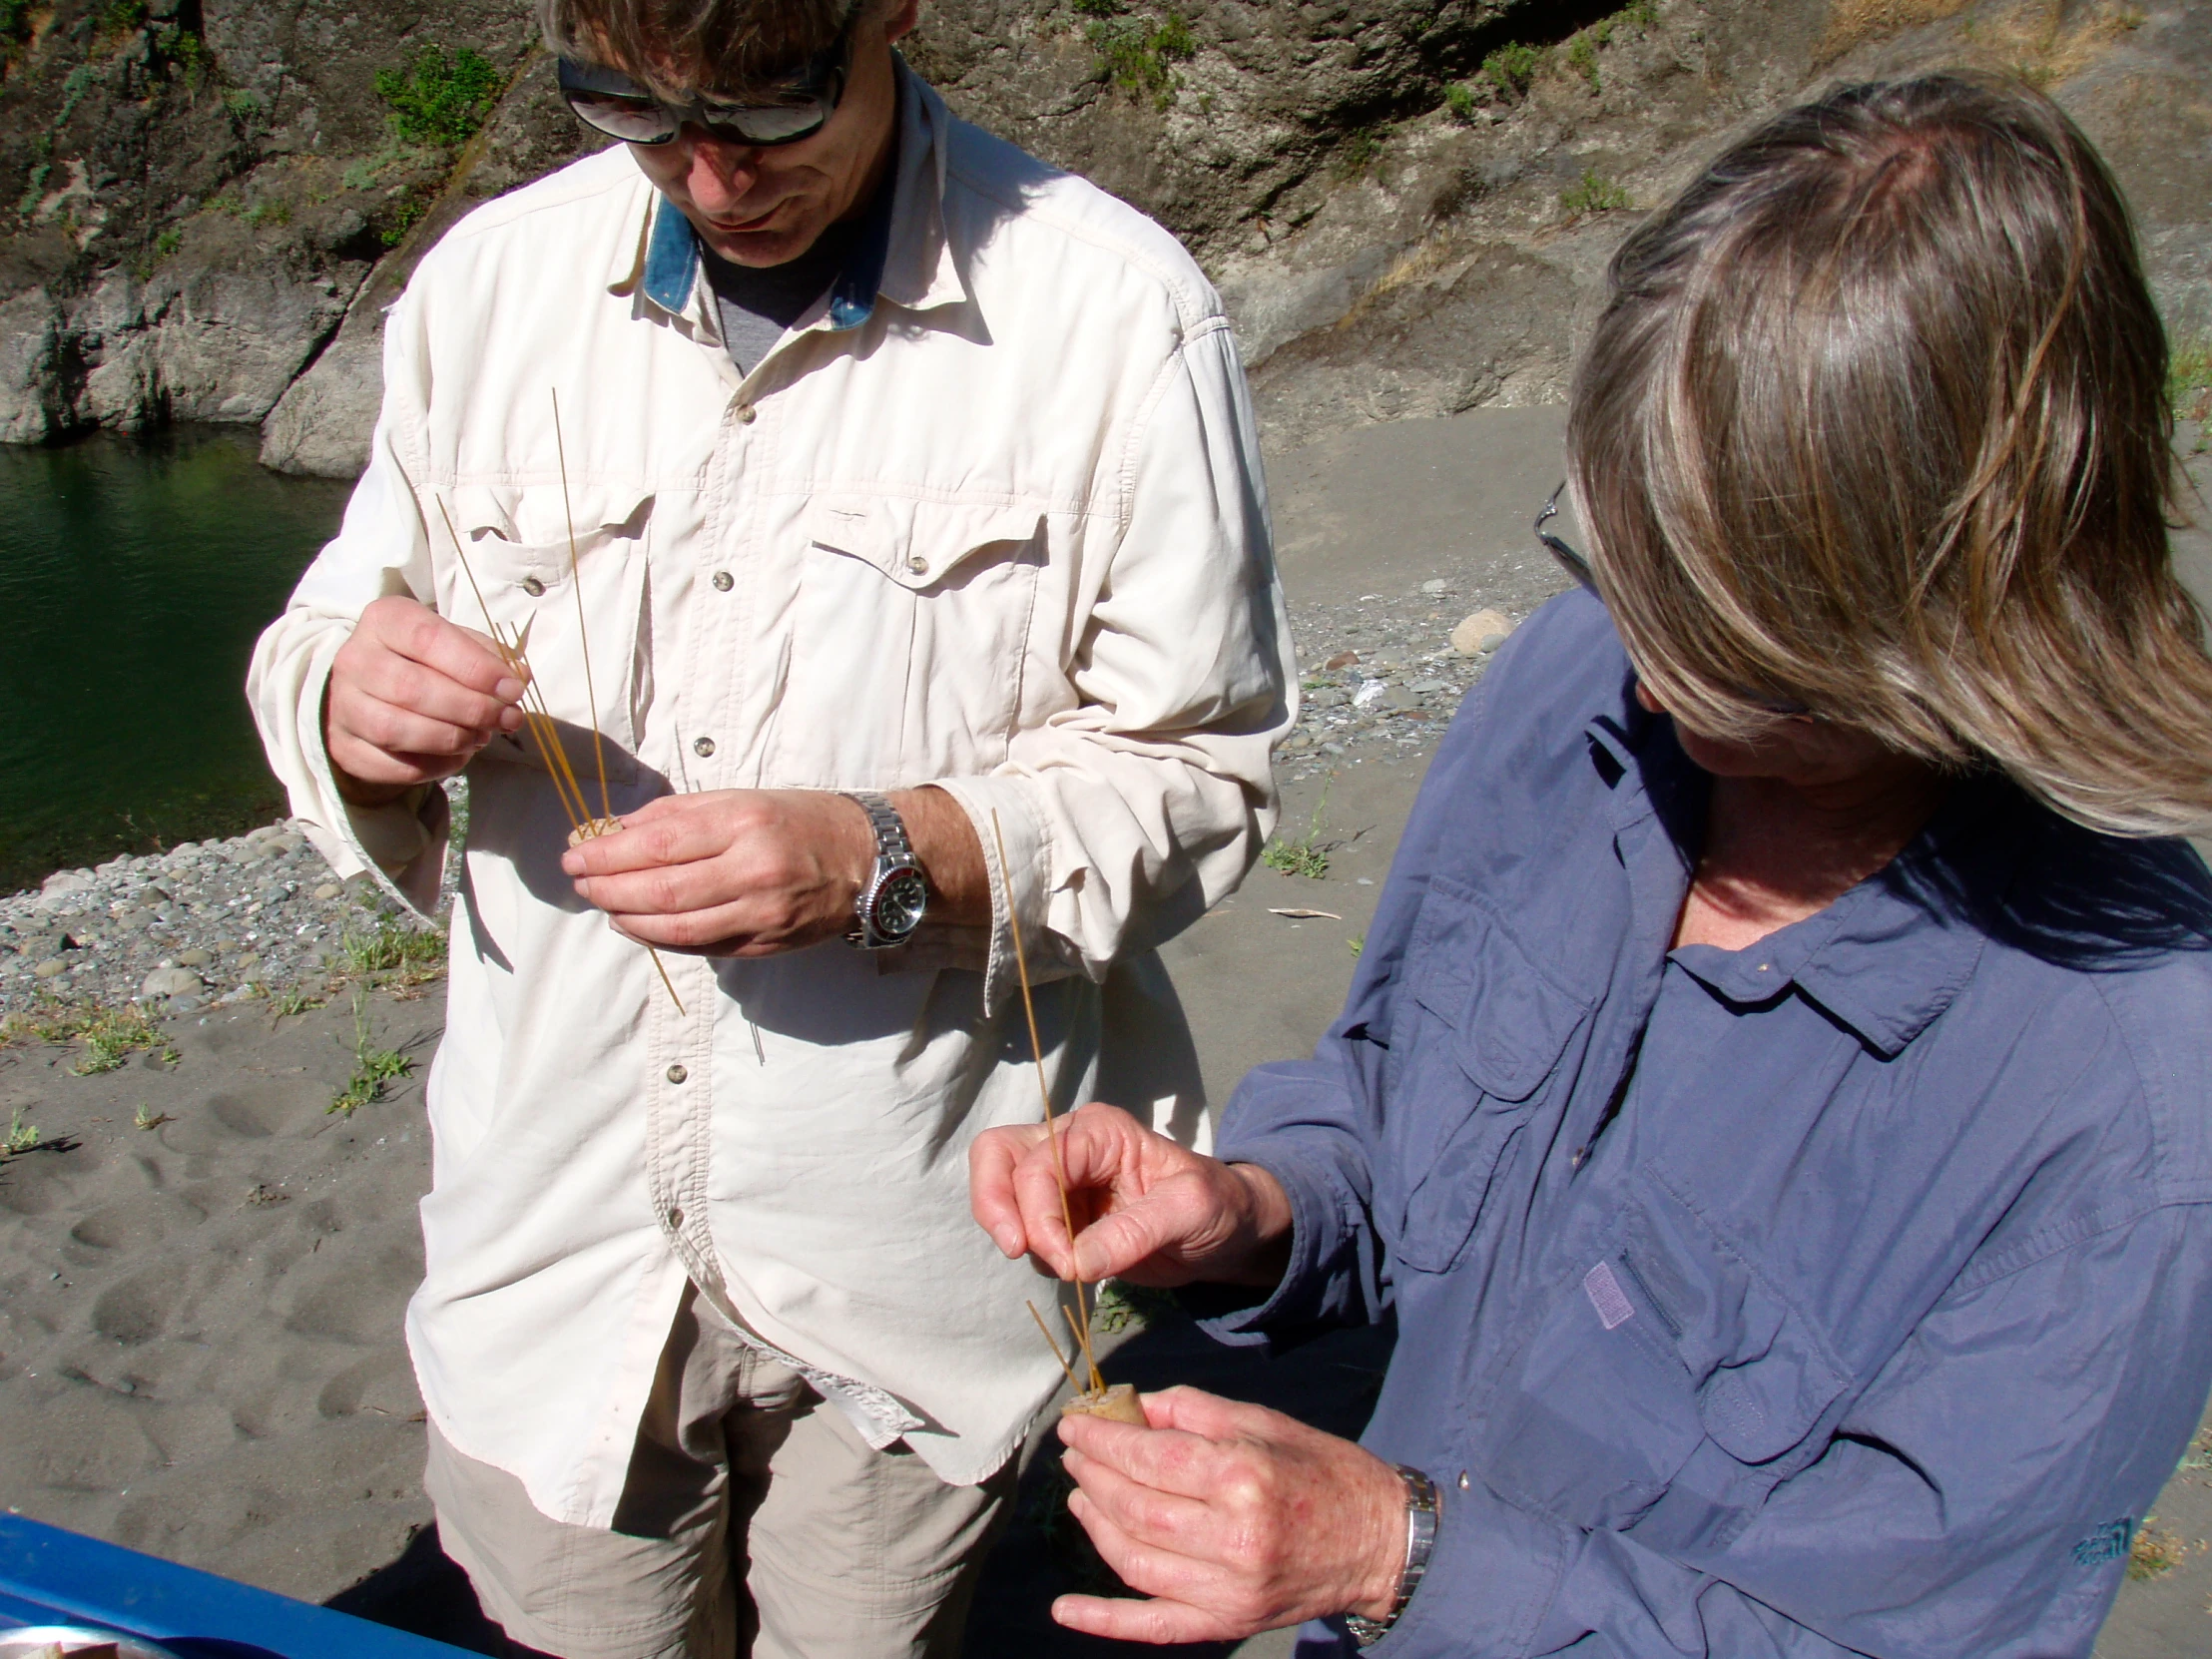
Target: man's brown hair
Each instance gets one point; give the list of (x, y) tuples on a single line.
[(677, 47), (1875, 422)]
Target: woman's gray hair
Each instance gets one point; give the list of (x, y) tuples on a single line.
[(680, 47), (1875, 422)]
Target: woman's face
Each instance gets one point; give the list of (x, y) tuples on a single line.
[(1802, 752)]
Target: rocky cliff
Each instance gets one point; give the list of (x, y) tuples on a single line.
[(1407, 202)]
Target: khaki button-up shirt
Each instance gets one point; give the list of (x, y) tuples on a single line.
[(997, 526)]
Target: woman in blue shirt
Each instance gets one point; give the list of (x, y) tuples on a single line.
[(1773, 1096)]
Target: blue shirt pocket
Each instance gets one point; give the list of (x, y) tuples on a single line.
[(1486, 1034), (1661, 1344)]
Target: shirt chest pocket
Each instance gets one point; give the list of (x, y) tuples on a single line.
[(1665, 1348), (1493, 1031), (579, 611), (910, 638)]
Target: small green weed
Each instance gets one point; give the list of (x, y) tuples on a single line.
[(1357, 945), (167, 243), (373, 1067), (1096, 8), (107, 1035), (121, 17), (148, 1118), (1137, 57), (405, 956), (439, 98), (1459, 100), (1512, 67), (1125, 1307), (23, 1137), (2189, 378), (1582, 56), (241, 105), (1307, 855), (1356, 155), (404, 218), (2156, 1551), (1593, 192), (293, 1002)]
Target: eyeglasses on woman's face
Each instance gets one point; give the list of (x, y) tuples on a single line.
[(1576, 566), (795, 107)]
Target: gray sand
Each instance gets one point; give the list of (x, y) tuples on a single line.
[(201, 1355)]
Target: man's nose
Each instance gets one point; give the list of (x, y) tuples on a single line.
[(720, 173)]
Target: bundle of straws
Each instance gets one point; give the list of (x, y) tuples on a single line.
[(510, 642), (1119, 1401)]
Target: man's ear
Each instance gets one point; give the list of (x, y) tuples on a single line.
[(900, 23)]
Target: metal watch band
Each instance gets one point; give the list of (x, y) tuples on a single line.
[(1420, 1539), (893, 851)]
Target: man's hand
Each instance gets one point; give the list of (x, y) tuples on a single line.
[(1233, 1518), (411, 697), (750, 873), (1164, 1216)]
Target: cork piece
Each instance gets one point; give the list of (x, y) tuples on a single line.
[(597, 826), (1118, 1404)]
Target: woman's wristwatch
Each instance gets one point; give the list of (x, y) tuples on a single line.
[(1420, 1539)]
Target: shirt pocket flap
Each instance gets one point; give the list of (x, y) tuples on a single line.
[(1512, 1022), (1763, 1376), (918, 544), (517, 530)]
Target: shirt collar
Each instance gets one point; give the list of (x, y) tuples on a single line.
[(902, 254), (1886, 957)]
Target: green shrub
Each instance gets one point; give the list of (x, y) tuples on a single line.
[(1512, 67), (1593, 192), (439, 98), (1360, 152), (1136, 57), (1459, 100), (1582, 55), (2189, 378)]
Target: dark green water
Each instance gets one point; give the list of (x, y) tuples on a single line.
[(134, 577)]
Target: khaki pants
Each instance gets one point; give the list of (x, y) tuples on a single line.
[(741, 1474)]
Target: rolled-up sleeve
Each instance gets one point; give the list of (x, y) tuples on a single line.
[(1978, 1498), (381, 550), (1128, 815)]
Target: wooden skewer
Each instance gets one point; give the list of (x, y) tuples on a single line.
[(576, 583), (538, 714), (1045, 1331), (1080, 1321)]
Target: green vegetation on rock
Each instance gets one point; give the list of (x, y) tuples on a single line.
[(1136, 56), (439, 98), (1512, 67), (1593, 192)]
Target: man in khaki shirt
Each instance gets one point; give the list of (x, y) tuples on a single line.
[(966, 544)]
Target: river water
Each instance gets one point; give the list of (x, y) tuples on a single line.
[(135, 574)]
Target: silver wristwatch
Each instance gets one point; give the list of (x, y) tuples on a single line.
[(1420, 1539), (895, 893)]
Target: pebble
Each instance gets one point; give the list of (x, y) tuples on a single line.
[(52, 968), (193, 958), (171, 981), (1481, 633)]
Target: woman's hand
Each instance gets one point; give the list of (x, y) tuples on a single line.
[(1163, 1216), (1233, 1518)]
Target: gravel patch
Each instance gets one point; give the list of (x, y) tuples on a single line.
[(204, 925)]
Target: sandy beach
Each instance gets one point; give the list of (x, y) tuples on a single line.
[(203, 1267)]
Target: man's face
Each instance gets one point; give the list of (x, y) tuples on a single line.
[(765, 207)]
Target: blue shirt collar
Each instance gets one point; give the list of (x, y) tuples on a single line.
[(671, 252)]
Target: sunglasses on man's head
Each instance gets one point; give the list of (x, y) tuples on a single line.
[(796, 108)]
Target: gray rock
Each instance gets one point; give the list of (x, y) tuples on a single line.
[(193, 958), (171, 983), (52, 968), (321, 425), (68, 881)]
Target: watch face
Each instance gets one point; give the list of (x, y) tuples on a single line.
[(899, 902)]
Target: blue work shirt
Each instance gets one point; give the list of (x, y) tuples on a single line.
[(1850, 1293)]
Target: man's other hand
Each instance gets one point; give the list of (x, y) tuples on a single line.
[(1145, 1209), (1233, 1518), (730, 872), (411, 697)]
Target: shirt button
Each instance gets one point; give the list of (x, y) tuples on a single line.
[(703, 747), (675, 1074), (1462, 1480), (533, 587), (676, 1217), (918, 565), (723, 584), (746, 414)]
